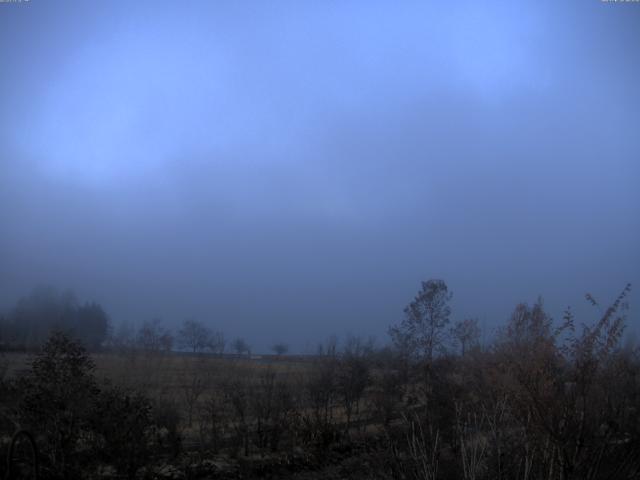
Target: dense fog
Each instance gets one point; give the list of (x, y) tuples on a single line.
[(286, 171)]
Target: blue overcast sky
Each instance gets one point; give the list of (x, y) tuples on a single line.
[(289, 170)]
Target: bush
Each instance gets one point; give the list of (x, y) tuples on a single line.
[(57, 395), (122, 424), (166, 421)]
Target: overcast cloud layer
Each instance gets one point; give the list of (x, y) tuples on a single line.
[(288, 170)]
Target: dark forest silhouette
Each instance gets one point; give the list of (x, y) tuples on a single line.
[(34, 317)]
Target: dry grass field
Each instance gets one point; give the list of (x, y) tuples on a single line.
[(168, 375), (243, 417)]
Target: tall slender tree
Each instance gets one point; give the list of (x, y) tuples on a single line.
[(423, 330)]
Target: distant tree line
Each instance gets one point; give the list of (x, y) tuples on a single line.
[(45, 310), (152, 336), (34, 317)]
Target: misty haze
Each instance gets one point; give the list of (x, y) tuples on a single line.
[(303, 240)]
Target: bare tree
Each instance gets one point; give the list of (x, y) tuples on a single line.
[(152, 336), (166, 341), (280, 348), (426, 318), (195, 384), (241, 347), (528, 326), (194, 335), (4, 367), (321, 393), (236, 395), (466, 333), (212, 421), (353, 375), (424, 446), (472, 444), (328, 348), (567, 390), (217, 343)]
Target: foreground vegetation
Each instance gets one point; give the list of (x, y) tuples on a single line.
[(543, 401)]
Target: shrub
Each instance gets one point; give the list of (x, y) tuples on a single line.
[(57, 394), (122, 425)]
